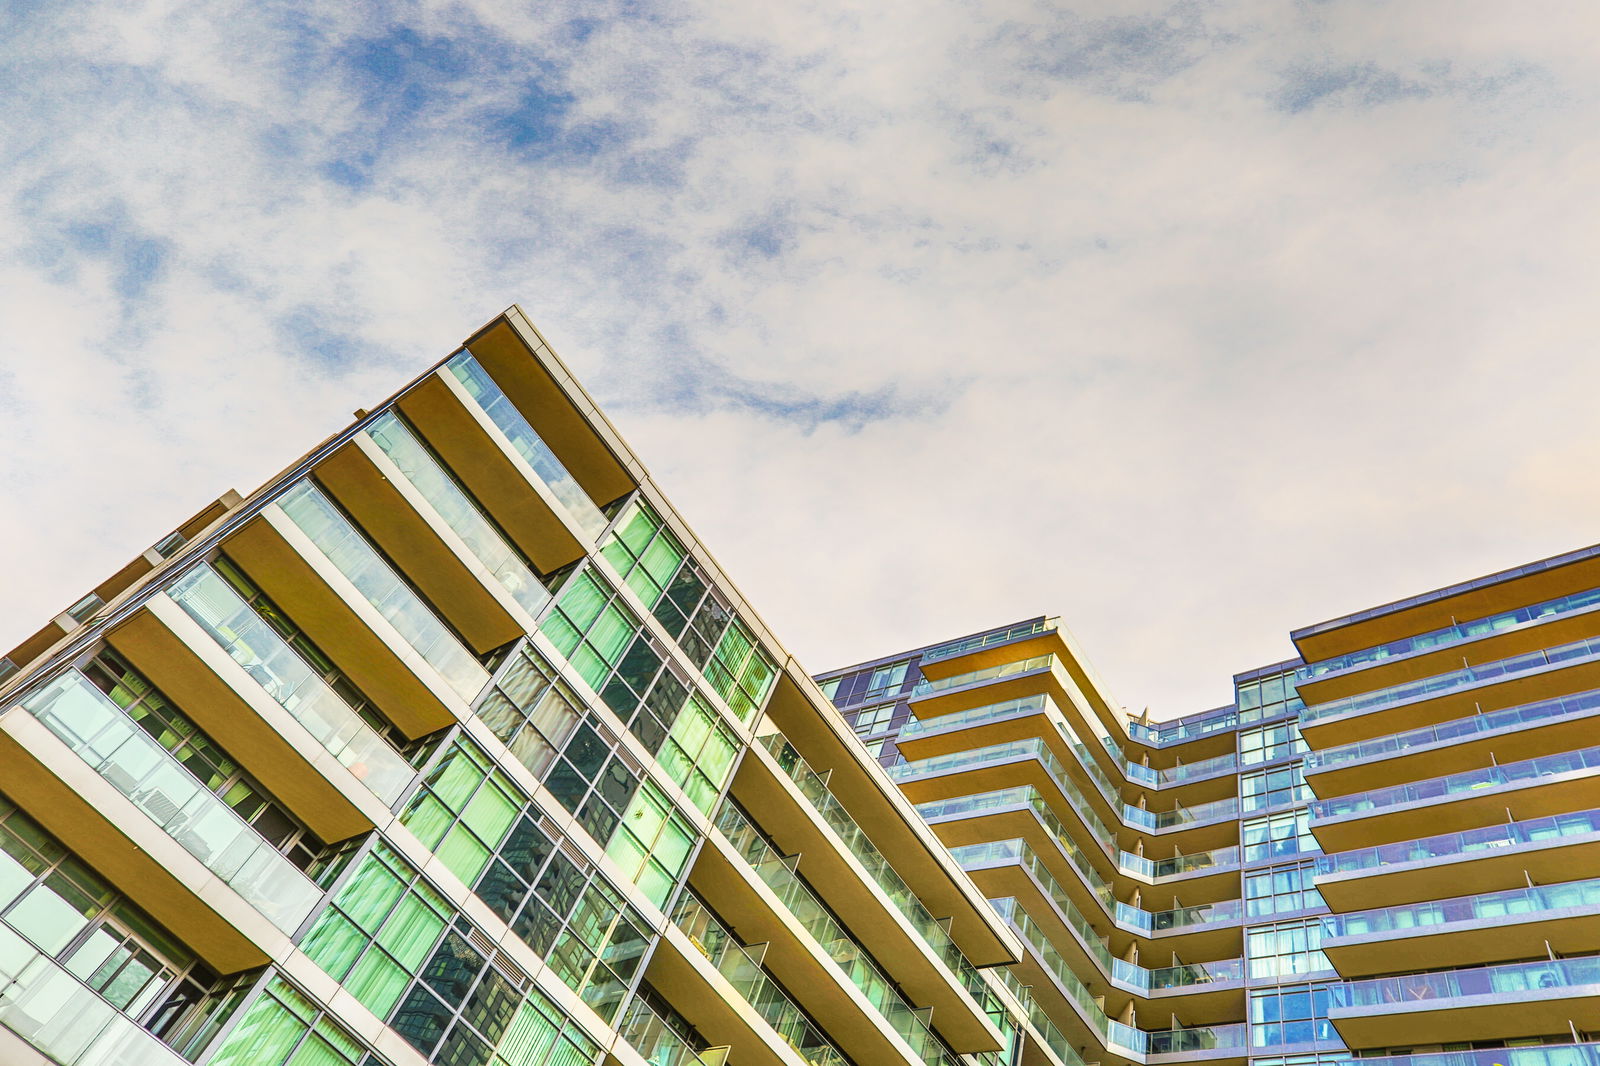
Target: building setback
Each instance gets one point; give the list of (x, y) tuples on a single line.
[(452, 744), (1386, 849)]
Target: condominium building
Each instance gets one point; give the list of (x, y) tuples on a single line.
[(1386, 848), (453, 744)]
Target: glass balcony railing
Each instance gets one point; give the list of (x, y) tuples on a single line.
[(1182, 730), (458, 510), (928, 686), (1546, 977), (1578, 651), (1116, 1035), (64, 1019), (655, 1040), (528, 444), (132, 762), (1487, 906), (1131, 975), (1026, 798), (1543, 1055), (290, 681), (993, 712), (1454, 634), (1449, 845), (831, 937), (753, 985), (1204, 1038), (856, 841), (984, 640), (1053, 1037), (1031, 748), (1113, 1033), (1459, 784), (385, 590), (1527, 714), (1036, 748)]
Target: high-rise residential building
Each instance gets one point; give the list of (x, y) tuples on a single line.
[(453, 744), (1386, 848)]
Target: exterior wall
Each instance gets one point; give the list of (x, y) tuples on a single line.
[(453, 744)]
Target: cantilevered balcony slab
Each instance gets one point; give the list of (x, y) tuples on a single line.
[(1456, 695), (114, 836), (343, 625), (1548, 785), (1478, 598), (862, 788), (1493, 858), (1508, 735), (753, 911), (403, 526), (1518, 639), (685, 976), (535, 379), (1466, 930), (775, 801), (218, 695), (485, 461), (1502, 1002)]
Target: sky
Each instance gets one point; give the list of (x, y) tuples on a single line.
[(1190, 322)]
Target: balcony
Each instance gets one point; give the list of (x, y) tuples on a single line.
[(724, 877), (1557, 848), (968, 645), (1420, 654), (978, 825), (796, 807), (1465, 930), (1558, 724), (743, 973), (1547, 785), (1011, 868), (1526, 999), (1536, 675), (416, 513)]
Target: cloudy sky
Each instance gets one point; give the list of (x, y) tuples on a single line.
[(1192, 322)]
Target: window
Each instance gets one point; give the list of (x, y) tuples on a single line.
[(1285, 948), (886, 679), (464, 809), (657, 567), (699, 754), (530, 709), (831, 686), (1297, 1014), (1260, 789), (1267, 697), (1280, 888), (70, 915), (283, 1026), (1277, 836), (379, 930), (652, 845), (871, 720), (1270, 742)]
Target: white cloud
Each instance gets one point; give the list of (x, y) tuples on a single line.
[(1193, 322)]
